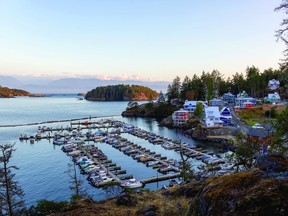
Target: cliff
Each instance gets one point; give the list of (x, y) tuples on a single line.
[(121, 93)]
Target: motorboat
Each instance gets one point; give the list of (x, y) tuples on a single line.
[(173, 182), (164, 168), (74, 153), (60, 141), (152, 163), (68, 147), (32, 139), (23, 137), (168, 145), (131, 183)]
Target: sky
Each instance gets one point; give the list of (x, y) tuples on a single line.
[(151, 40)]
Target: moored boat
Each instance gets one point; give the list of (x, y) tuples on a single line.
[(131, 183)]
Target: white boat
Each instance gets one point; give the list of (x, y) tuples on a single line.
[(74, 153), (32, 140), (131, 183), (168, 145), (152, 163), (68, 147), (60, 141), (106, 179), (77, 141)]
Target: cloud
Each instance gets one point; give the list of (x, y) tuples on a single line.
[(101, 76)]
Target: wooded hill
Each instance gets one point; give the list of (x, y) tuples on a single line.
[(121, 93), (7, 92)]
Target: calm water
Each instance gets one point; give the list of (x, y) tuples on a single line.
[(43, 165)]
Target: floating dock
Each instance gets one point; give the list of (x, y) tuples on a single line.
[(137, 152)]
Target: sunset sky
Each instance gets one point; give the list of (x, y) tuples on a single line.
[(137, 39)]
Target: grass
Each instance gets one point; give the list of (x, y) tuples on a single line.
[(253, 116)]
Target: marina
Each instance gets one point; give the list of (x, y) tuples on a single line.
[(101, 171), (43, 165)]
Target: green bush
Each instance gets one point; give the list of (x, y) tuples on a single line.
[(45, 207)]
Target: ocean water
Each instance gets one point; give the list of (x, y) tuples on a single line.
[(42, 165)]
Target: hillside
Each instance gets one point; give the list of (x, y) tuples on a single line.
[(154, 110), (261, 191), (121, 93), (7, 92)]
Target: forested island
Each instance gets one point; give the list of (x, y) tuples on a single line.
[(8, 93), (121, 93)]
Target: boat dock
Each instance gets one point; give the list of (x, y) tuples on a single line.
[(60, 121), (160, 178), (113, 137)]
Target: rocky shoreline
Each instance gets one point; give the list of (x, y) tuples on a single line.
[(260, 191), (193, 127)]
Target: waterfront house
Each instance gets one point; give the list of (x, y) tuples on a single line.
[(248, 105), (212, 117), (190, 106), (244, 101), (180, 117), (273, 98), (216, 102), (225, 116), (228, 97)]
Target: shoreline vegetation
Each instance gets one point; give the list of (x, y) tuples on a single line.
[(242, 193), (121, 93), (11, 93)]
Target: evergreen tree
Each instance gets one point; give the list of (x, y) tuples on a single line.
[(247, 149), (76, 184), (173, 91), (281, 125), (185, 88), (161, 98), (282, 33), (253, 78), (199, 111), (11, 195)]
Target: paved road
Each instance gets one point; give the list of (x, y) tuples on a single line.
[(242, 126)]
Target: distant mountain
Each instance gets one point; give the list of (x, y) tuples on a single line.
[(10, 82), (73, 85)]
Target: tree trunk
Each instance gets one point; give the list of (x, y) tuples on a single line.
[(8, 198)]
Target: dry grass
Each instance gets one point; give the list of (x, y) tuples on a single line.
[(226, 185), (253, 116), (165, 205)]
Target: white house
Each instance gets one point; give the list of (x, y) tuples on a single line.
[(273, 84), (226, 116), (275, 97), (180, 117), (212, 117), (190, 106)]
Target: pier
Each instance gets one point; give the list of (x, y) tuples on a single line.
[(113, 137), (59, 121), (160, 178)]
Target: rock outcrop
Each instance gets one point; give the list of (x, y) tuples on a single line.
[(154, 110), (262, 191), (256, 192)]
